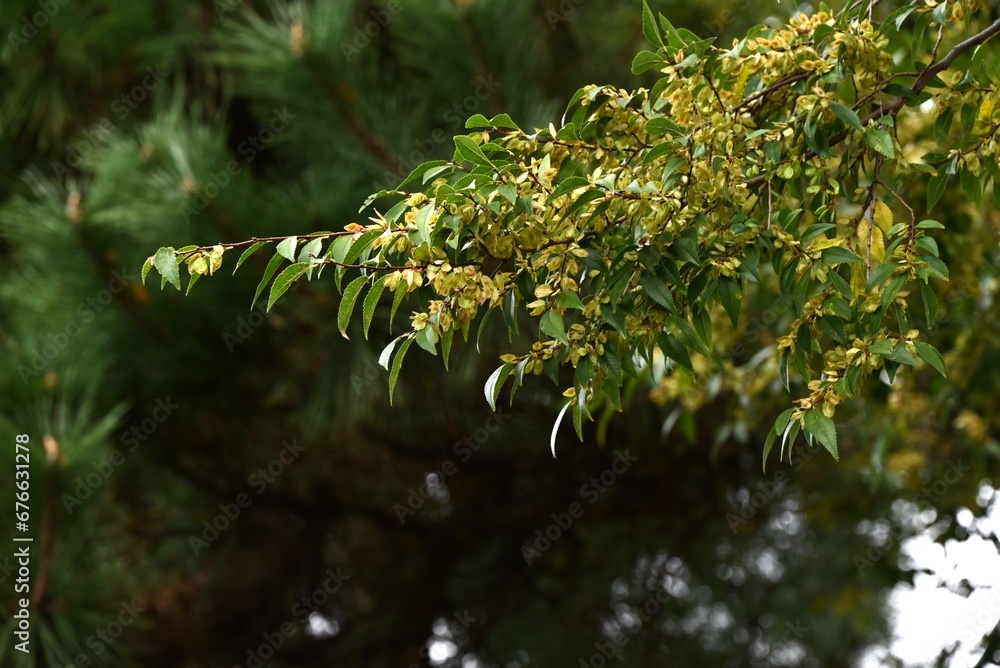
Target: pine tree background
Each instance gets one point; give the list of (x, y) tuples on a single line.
[(125, 126)]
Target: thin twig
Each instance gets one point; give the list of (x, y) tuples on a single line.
[(913, 216)]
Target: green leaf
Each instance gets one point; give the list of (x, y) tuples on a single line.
[(657, 290), (936, 267), (285, 280), (578, 408), (420, 170), (750, 266), (823, 430), (427, 339), (660, 150), (661, 125), (615, 318), (878, 276), (552, 324), (940, 13), (687, 334), (788, 438), (482, 327), (569, 299), (880, 140), (929, 225), (889, 294), (703, 325), (687, 249), (504, 122), (371, 301), (930, 354), (447, 336), (247, 253), (583, 200), (902, 14), (311, 251), (555, 427), (936, 187), (646, 60), (768, 444), (882, 347), (675, 350), (649, 28), (470, 151), (778, 429), (509, 311), (782, 422), (929, 245), (386, 354), (837, 255), (671, 31), (272, 267), (165, 261), (611, 363), (942, 126), (567, 185), (971, 186), (930, 303), (783, 369), (495, 383), (350, 297), (847, 115), (146, 266), (509, 192), (842, 286), (902, 355), (397, 362), (397, 299), (286, 248), (424, 223), (360, 245), (730, 297), (379, 195), (477, 121)]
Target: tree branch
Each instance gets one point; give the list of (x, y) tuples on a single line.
[(922, 80)]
